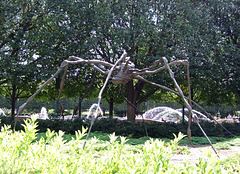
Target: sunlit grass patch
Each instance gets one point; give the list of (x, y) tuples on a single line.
[(227, 143), (222, 146), (232, 163)]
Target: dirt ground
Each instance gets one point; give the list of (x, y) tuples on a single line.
[(196, 153)]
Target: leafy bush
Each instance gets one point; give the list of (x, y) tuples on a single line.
[(131, 129), (22, 153), (232, 163)]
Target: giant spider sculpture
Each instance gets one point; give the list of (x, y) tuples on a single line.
[(125, 72)]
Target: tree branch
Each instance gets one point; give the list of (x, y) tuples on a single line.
[(147, 95)]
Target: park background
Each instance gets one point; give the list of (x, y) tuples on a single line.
[(36, 36)]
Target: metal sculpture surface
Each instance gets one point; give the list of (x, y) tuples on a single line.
[(125, 72)]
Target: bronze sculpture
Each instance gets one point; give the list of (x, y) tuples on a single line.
[(124, 73)]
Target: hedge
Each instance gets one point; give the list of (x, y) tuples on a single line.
[(127, 128)]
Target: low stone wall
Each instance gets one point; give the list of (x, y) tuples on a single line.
[(227, 121)]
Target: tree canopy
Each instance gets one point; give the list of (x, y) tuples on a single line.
[(36, 36)]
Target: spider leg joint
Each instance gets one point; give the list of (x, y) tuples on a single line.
[(64, 63)]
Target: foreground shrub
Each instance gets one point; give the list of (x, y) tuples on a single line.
[(21, 153)]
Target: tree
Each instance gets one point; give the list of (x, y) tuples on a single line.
[(37, 36), (18, 24), (147, 30), (226, 15), (33, 42), (214, 56), (192, 30), (82, 83)]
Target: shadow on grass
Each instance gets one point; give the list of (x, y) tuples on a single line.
[(215, 140)]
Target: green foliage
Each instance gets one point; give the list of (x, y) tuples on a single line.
[(35, 37), (22, 153), (227, 144), (55, 155), (21, 27), (182, 150), (232, 162), (133, 130), (222, 146)]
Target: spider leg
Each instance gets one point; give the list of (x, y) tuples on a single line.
[(189, 106), (148, 71), (179, 93), (175, 92), (76, 60), (64, 64), (60, 90), (23, 106), (100, 94), (167, 66)]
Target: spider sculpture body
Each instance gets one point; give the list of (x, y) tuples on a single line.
[(124, 74)]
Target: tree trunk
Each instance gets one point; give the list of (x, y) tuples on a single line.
[(132, 96), (56, 108), (80, 108), (13, 100), (130, 109), (111, 107), (238, 91)]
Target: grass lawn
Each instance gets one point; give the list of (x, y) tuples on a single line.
[(102, 137)]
